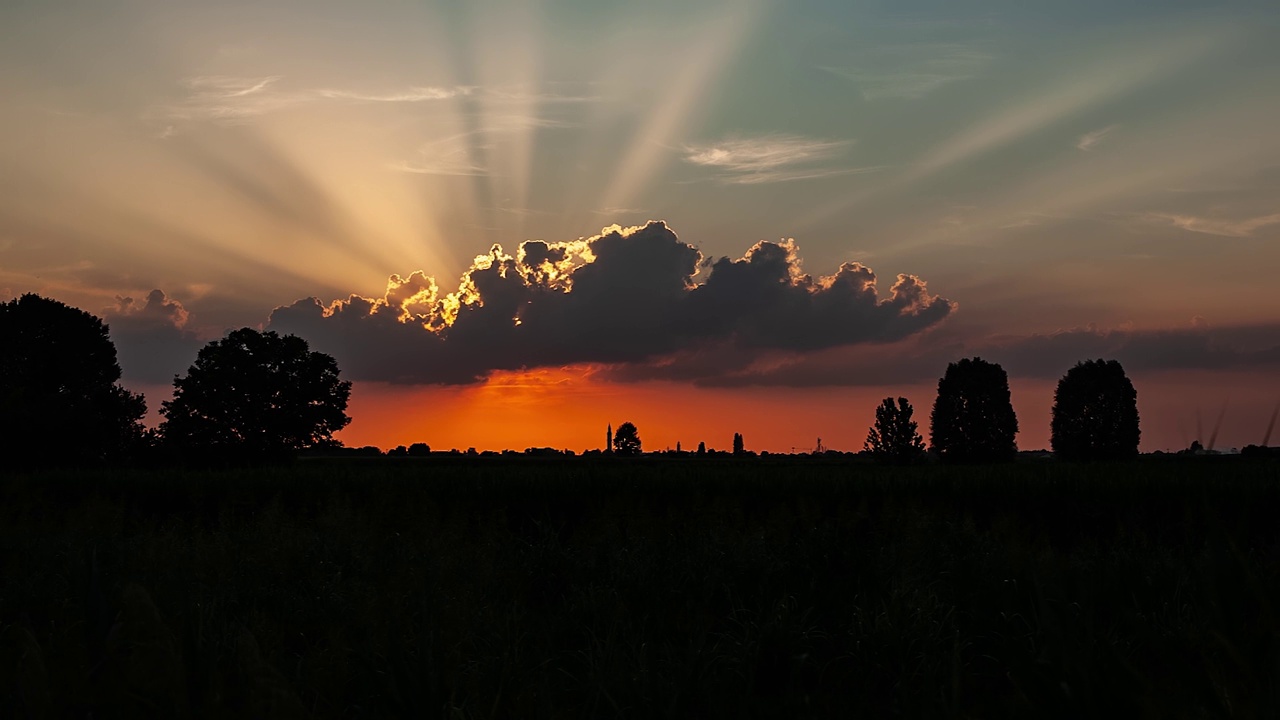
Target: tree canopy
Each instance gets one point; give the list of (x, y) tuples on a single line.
[(973, 418), (626, 441), (894, 437), (1095, 413), (60, 402), (256, 395)]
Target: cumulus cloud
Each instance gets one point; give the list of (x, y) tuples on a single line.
[(624, 298), (152, 341)]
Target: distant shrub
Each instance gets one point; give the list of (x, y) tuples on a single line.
[(627, 440)]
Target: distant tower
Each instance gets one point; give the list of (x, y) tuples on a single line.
[(608, 439)]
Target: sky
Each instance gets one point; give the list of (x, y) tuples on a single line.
[(513, 223)]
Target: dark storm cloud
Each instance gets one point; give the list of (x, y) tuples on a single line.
[(152, 344), (1048, 356), (625, 298), (1198, 347)]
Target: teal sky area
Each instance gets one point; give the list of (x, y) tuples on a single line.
[(1078, 178)]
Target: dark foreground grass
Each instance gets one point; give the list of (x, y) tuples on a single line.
[(645, 589)]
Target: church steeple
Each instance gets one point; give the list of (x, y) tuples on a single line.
[(608, 439)]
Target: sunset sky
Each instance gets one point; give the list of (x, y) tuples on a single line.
[(752, 216)]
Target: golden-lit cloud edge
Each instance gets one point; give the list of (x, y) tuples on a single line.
[(625, 297)]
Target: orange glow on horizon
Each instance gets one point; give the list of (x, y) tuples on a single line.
[(569, 408)]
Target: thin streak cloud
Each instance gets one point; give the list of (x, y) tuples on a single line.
[(453, 154), (237, 99), (912, 70), (771, 158), (1215, 226), (1102, 80), (229, 87), (416, 94), (1089, 141)]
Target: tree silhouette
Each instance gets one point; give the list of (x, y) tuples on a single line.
[(626, 441), (738, 447), (1095, 413), (702, 449), (894, 437), (256, 395), (60, 402), (973, 418)]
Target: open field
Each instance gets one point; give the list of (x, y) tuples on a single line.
[(578, 588)]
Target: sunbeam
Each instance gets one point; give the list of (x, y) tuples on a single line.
[(680, 97), (1043, 167)]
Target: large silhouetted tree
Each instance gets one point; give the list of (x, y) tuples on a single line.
[(973, 418), (627, 440), (1095, 413), (60, 402), (895, 438), (256, 395)]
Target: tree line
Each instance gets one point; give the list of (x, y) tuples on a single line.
[(251, 396), (257, 395), (1095, 417)]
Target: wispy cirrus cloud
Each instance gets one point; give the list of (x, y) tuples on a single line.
[(231, 87), (450, 157), (1090, 140), (769, 158), (230, 99), (238, 99), (411, 95), (1102, 78), (1224, 227), (456, 154), (912, 70)]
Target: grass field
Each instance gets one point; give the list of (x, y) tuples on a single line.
[(577, 588)]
